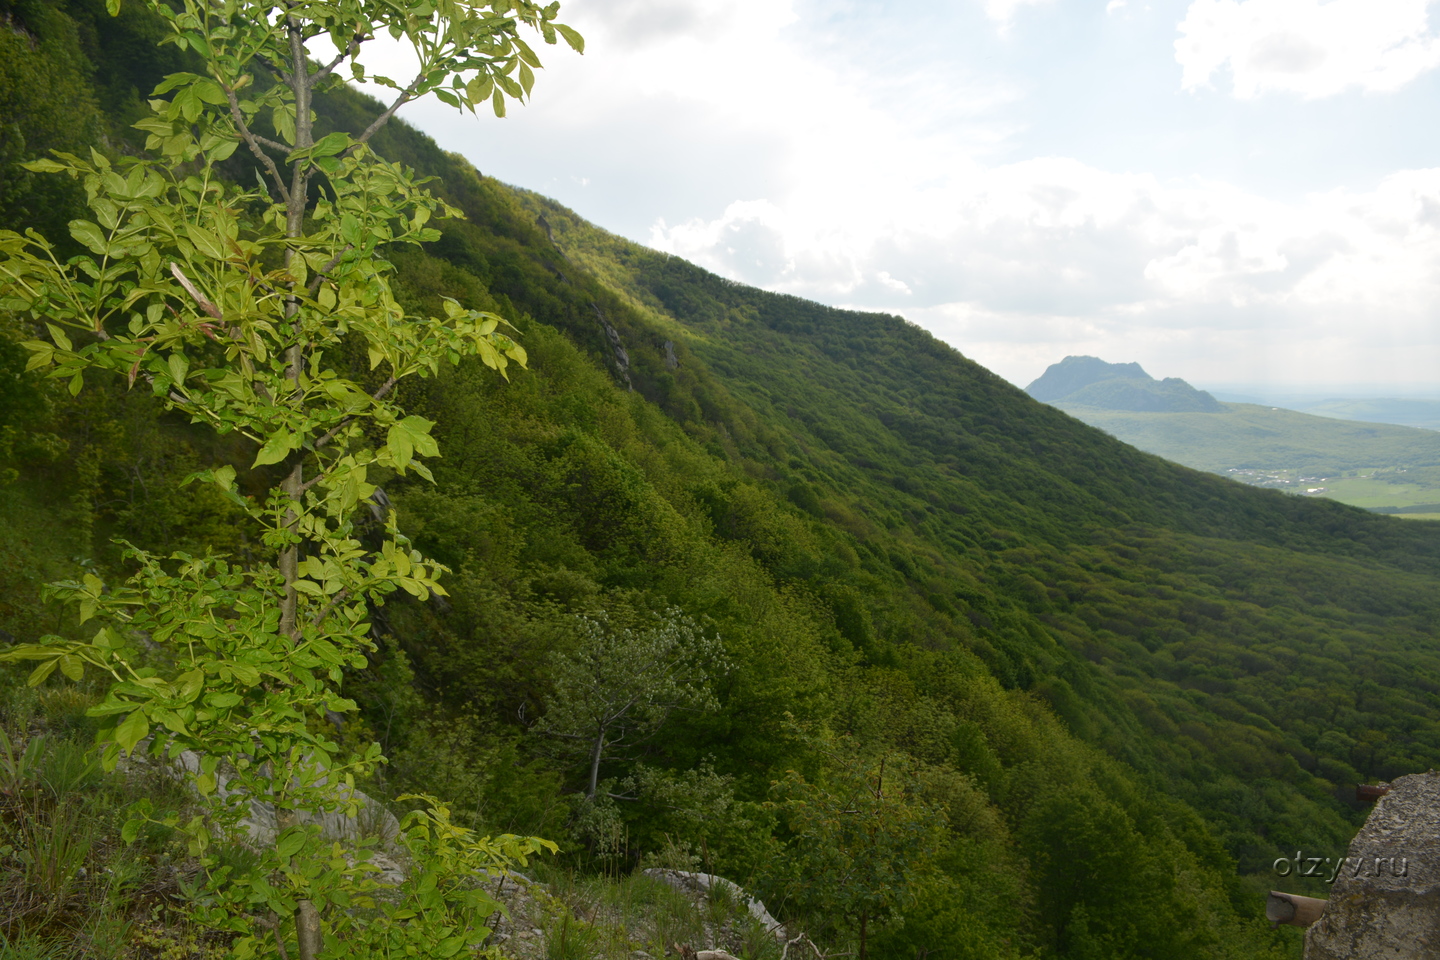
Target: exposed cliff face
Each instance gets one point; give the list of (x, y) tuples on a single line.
[(1386, 899)]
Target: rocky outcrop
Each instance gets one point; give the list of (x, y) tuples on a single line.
[(687, 882), (373, 820), (1386, 899), (617, 348)]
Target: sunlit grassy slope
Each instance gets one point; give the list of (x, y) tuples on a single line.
[(1371, 465)]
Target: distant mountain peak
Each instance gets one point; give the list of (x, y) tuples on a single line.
[(1075, 373), (1091, 382)]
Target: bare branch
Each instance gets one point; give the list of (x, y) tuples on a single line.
[(196, 295), (334, 601), (330, 434), (405, 97), (253, 142), (320, 275), (340, 58), (277, 71)]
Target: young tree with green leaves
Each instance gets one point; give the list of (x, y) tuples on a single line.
[(616, 687), (862, 839), (231, 304)]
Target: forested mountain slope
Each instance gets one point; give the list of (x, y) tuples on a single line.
[(1108, 690)]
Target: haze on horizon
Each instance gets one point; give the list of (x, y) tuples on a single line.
[(1242, 193)]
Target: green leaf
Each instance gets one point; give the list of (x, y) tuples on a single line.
[(41, 354), (480, 88), (401, 447), (179, 366), (58, 335), (577, 42), (131, 830), (44, 166), (72, 666), (222, 151), (42, 672), (290, 843), (331, 144), (275, 449), (419, 430), (206, 242), (245, 673), (350, 229), (132, 730)]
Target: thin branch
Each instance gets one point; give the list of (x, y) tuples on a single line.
[(348, 52), (150, 377), (324, 271), (563, 736), (273, 922), (337, 599), (253, 142), (405, 97), (277, 71), (330, 434), (321, 475)]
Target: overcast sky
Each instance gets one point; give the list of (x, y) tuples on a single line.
[(1231, 191)]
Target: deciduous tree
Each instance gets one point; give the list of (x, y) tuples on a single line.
[(231, 303)]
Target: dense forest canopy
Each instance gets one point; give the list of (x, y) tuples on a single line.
[(1094, 679)]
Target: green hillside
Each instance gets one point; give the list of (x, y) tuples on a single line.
[(1405, 412), (1371, 465), (1097, 678)]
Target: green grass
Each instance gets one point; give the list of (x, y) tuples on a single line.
[(1403, 411), (1366, 465)]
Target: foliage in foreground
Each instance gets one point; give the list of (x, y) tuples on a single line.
[(226, 301)]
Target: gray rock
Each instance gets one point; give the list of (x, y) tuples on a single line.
[(1385, 902), (622, 356), (687, 882), (373, 821)]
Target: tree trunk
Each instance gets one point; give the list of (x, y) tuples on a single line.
[(595, 753), (307, 918)]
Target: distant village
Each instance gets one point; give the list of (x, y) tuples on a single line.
[(1279, 480)]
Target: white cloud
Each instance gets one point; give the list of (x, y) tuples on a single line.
[(1022, 264), (809, 156), (1307, 47), (1003, 11)]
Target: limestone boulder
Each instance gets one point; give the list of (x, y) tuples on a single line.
[(1385, 902)]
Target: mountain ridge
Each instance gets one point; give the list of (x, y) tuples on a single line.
[(1092, 382)]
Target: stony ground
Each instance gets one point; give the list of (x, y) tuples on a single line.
[(627, 918)]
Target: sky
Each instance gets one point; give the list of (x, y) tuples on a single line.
[(1243, 193)]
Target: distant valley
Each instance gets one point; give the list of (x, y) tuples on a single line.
[(1326, 452)]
